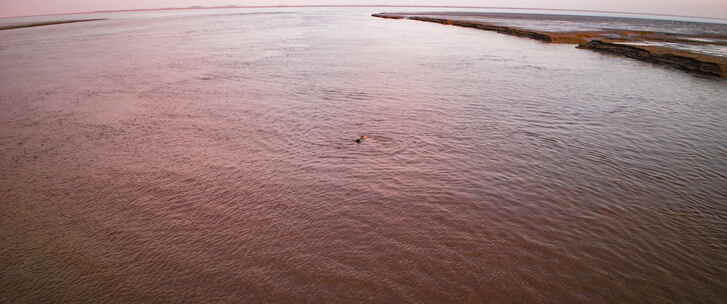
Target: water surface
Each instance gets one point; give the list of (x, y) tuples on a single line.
[(210, 158)]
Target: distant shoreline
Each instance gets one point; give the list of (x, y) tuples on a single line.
[(35, 24), (616, 42), (360, 6)]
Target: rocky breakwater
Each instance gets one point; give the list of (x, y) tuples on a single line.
[(658, 48), (697, 63), (474, 24)]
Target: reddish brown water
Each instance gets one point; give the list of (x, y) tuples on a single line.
[(210, 159)]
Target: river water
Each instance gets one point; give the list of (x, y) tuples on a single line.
[(208, 157)]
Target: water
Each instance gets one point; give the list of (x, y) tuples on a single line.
[(210, 158), (560, 21)]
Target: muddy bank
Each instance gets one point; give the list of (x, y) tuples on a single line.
[(616, 41), (24, 25)]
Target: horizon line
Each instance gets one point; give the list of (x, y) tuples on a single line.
[(350, 5)]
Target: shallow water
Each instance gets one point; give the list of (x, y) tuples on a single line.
[(556, 22), (210, 158)]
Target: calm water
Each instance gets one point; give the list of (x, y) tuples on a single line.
[(209, 158)]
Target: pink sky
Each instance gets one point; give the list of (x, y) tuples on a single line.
[(703, 8)]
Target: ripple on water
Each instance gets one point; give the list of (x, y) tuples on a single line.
[(219, 151)]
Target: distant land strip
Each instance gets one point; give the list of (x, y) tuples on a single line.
[(199, 7), (597, 41), (24, 25)]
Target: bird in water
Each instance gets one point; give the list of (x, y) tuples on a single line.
[(361, 139)]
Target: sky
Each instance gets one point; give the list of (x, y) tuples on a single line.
[(699, 8)]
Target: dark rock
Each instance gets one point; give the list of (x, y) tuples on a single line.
[(680, 62)]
